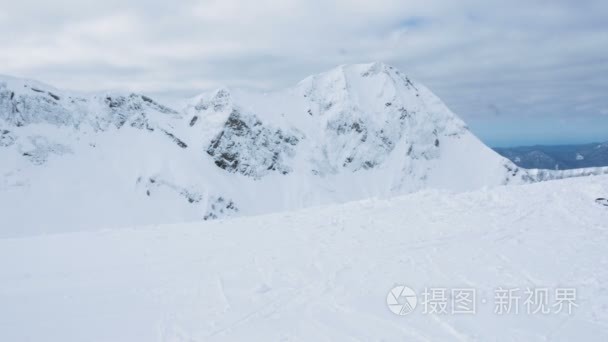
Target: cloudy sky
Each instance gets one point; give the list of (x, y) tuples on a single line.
[(518, 71)]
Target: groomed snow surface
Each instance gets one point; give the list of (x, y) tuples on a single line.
[(321, 274)]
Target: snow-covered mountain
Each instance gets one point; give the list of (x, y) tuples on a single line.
[(72, 160)]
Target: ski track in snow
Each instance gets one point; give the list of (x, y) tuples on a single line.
[(319, 274)]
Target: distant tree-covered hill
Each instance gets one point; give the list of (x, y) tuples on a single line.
[(557, 157)]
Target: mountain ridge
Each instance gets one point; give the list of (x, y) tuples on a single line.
[(117, 159)]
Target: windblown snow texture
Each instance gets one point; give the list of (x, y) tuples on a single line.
[(322, 274)]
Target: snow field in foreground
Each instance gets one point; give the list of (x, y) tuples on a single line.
[(320, 274)]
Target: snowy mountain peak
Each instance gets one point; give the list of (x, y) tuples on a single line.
[(356, 131), (218, 101), (368, 109)]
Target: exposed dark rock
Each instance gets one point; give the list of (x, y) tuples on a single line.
[(7, 138), (154, 183), (57, 98), (364, 142), (342, 127), (368, 164), (147, 99), (348, 161), (191, 196), (386, 141), (140, 121), (357, 126), (175, 139), (113, 103), (220, 101), (193, 121), (512, 170), (248, 147), (24, 109), (410, 150), (410, 84), (125, 107), (219, 208), (42, 149)]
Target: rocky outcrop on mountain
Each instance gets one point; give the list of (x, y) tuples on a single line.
[(25, 103), (219, 102), (220, 207), (19, 107), (245, 145), (154, 183), (40, 148), (6, 138)]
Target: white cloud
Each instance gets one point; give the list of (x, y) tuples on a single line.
[(529, 59)]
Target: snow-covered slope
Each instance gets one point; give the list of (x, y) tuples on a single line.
[(323, 274), (70, 160)]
